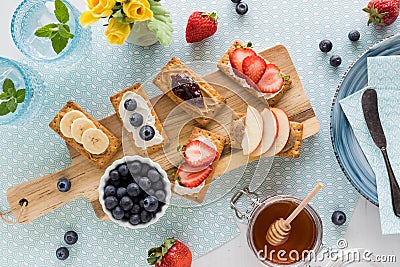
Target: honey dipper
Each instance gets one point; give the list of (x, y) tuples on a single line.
[(278, 232)]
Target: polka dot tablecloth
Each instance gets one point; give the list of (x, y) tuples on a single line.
[(33, 150)]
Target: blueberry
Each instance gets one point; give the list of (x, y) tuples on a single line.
[(70, 237), (110, 190), (150, 204), (153, 175), (118, 213), (114, 175), (133, 189), (146, 132), (141, 203), (144, 183), (126, 203), (335, 61), (121, 191), (136, 208), (150, 192), (160, 195), (136, 119), (241, 8), (145, 169), (338, 217), (354, 35), (236, 1), (130, 104), (111, 202), (158, 185), (134, 219), (146, 216), (135, 167), (325, 46), (63, 185), (62, 253), (123, 170)]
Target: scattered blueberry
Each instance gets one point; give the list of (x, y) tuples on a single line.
[(135, 167), (126, 203), (133, 189), (338, 217), (130, 104), (335, 61), (70, 237), (114, 175), (150, 204), (325, 46), (241, 8), (123, 170), (111, 202), (144, 183), (153, 175), (145, 216), (160, 195), (136, 208), (62, 253), (118, 213), (146, 132), (63, 185), (158, 185), (354, 35), (121, 191), (136, 119), (110, 190), (134, 219)]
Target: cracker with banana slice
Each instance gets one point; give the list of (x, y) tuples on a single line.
[(82, 132)]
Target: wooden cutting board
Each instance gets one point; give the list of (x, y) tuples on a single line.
[(42, 194)]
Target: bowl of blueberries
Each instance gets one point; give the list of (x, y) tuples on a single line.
[(134, 191)]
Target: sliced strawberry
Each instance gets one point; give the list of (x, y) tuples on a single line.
[(199, 154), (190, 177), (237, 56), (271, 81), (254, 67)]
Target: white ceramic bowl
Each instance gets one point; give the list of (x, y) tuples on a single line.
[(167, 188)]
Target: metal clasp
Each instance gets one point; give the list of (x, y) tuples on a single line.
[(254, 203)]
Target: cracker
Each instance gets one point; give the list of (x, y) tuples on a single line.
[(98, 160), (162, 81), (236, 118), (224, 65), (294, 152), (138, 89)]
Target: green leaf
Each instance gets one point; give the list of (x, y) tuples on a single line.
[(161, 23), (20, 95), (10, 91), (12, 104), (120, 17), (59, 43), (7, 84), (46, 30), (4, 109), (4, 96), (64, 32), (61, 11)]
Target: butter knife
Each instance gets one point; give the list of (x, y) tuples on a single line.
[(369, 103)]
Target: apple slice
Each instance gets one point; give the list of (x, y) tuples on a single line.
[(270, 132), (283, 132), (253, 130)]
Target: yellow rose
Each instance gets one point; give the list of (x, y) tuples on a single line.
[(117, 32), (137, 10), (97, 9)]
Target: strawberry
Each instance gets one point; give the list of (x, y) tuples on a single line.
[(382, 12), (237, 56), (254, 67), (199, 154), (192, 177), (272, 80), (172, 253), (200, 26)]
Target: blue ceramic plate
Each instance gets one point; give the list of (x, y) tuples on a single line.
[(347, 150)]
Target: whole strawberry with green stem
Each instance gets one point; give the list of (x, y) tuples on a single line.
[(172, 253), (382, 12), (200, 26)]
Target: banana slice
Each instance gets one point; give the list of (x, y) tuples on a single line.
[(67, 120), (80, 125), (95, 141)]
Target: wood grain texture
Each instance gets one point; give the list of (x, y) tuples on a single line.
[(42, 193)]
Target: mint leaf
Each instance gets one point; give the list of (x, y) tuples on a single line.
[(161, 23), (64, 32), (59, 43), (10, 90), (20, 95), (12, 104), (4, 96), (61, 11), (46, 30), (4, 109), (7, 84)]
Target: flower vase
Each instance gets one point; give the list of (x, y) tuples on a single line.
[(141, 35)]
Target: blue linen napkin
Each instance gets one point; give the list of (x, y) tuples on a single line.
[(384, 77)]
